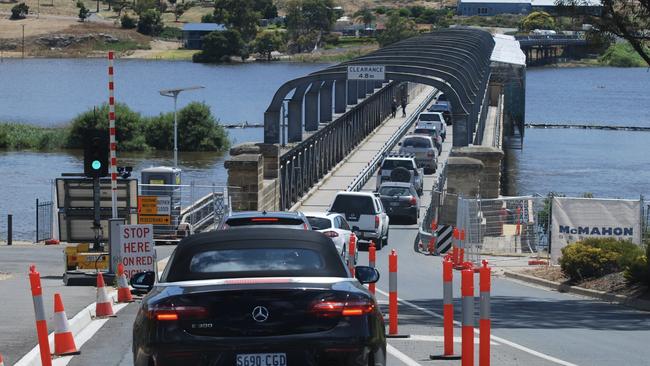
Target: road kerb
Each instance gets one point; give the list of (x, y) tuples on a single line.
[(637, 304)]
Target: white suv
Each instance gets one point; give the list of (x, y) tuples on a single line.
[(365, 213)]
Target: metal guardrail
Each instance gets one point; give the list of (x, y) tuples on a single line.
[(364, 176), (44, 219), (206, 213), (437, 197)]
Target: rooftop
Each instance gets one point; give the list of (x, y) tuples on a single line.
[(206, 27), (507, 50)]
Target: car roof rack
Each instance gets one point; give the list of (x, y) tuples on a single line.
[(398, 155)]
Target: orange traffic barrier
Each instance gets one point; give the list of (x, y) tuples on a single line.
[(52, 242), (63, 338), (352, 248), (432, 245), (537, 262), (454, 250), (39, 310), (123, 290), (467, 332), (447, 311), (484, 316), (104, 306), (372, 258), (392, 296)]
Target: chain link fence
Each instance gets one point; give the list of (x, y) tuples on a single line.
[(504, 226), (44, 217)]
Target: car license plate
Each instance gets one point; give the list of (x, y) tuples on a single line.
[(394, 203), (262, 359)]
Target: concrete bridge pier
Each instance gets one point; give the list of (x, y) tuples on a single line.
[(311, 107), (340, 96), (352, 92), (294, 127), (325, 98), (254, 170)]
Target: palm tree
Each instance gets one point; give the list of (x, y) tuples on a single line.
[(365, 16)]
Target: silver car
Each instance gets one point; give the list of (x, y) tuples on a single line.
[(426, 154)]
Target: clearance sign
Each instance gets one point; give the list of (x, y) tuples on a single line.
[(137, 251), (155, 210)]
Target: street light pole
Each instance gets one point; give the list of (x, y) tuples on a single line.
[(173, 93)]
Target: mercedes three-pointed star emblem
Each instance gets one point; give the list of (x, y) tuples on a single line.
[(260, 314)]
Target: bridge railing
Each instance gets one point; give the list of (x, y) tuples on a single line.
[(306, 163), (364, 176)]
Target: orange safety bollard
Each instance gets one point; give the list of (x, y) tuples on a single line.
[(518, 227), (484, 315), (392, 296), (447, 311), (352, 249), (462, 246), (123, 290), (372, 258), (467, 331), (454, 251), (432, 245), (39, 310), (63, 339)]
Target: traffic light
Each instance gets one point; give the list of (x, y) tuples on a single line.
[(96, 151)]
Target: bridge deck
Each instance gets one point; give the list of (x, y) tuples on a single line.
[(320, 197)]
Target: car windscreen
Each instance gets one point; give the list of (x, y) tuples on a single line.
[(319, 223), (417, 143), (392, 164), (256, 260), (394, 191), (349, 203), (264, 221), (430, 117)]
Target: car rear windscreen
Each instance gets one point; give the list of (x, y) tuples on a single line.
[(319, 223), (394, 191), (417, 143), (263, 221), (430, 117), (256, 259), (392, 164), (357, 204)]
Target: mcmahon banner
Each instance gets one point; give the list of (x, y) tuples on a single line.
[(574, 219)]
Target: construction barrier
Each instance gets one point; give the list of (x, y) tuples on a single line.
[(467, 293), (39, 311), (372, 258), (432, 243), (447, 310), (484, 315), (123, 290), (352, 249), (104, 306), (63, 338)]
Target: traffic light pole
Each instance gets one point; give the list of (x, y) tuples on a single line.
[(97, 227)]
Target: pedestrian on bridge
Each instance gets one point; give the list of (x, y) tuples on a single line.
[(404, 105), (393, 107)]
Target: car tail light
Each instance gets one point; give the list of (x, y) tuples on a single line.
[(376, 221), (264, 219), (333, 309), (331, 234), (173, 313), (304, 226), (413, 201)]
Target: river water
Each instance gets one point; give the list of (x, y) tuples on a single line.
[(51, 92)]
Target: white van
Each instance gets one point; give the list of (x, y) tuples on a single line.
[(433, 119)]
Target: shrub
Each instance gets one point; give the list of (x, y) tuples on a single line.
[(150, 23), (159, 131), (171, 33), (19, 11), (638, 271), (220, 46), (595, 257), (129, 131), (199, 131), (21, 137), (128, 22), (622, 55)]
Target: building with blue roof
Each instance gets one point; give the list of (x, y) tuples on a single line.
[(193, 34)]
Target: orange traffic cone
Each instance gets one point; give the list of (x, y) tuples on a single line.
[(123, 290), (104, 307), (63, 339)]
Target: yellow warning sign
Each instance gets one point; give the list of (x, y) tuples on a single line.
[(154, 219), (147, 205)]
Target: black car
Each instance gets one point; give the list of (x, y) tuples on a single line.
[(400, 200), (258, 297)]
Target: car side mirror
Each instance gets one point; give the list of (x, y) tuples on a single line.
[(143, 281), (365, 274)]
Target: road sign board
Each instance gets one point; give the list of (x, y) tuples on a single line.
[(366, 72), (154, 205), (154, 219), (137, 248)]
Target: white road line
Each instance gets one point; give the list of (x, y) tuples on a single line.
[(438, 339), (495, 338), (400, 356)]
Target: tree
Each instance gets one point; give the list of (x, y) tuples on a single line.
[(83, 11), (198, 130), (128, 134), (180, 9), (397, 29), (537, 20), (127, 22), (267, 42), (308, 20), (266, 8), (121, 5), (220, 46), (150, 23), (238, 15), (365, 16), (19, 11)]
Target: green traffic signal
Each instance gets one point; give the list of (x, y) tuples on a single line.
[(96, 164)]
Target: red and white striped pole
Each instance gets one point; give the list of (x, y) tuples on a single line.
[(467, 292), (111, 131), (372, 258), (39, 312), (484, 315), (352, 249)]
